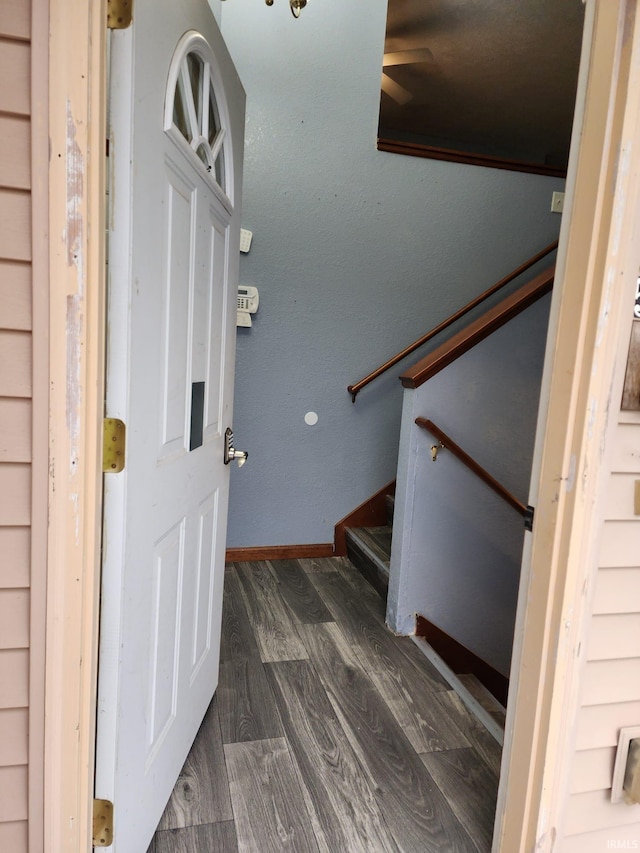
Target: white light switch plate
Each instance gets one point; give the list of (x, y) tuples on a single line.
[(245, 239), (557, 202)]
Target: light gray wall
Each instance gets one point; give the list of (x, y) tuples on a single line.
[(355, 253), (216, 8), (457, 546)]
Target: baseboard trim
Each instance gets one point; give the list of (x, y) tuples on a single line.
[(279, 552), (370, 513), (494, 729), (461, 660)]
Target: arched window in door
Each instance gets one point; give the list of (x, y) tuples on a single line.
[(195, 112)]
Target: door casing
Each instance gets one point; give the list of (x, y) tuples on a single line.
[(77, 182), (77, 98), (589, 335)]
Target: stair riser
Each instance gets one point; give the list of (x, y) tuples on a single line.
[(371, 569), (390, 504)]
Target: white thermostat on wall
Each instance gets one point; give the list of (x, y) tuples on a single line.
[(245, 239), (248, 301)]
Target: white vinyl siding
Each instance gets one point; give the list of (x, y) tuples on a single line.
[(610, 696)]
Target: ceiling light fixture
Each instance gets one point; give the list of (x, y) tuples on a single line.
[(296, 6)]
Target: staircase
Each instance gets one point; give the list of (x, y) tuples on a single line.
[(454, 508), (369, 549), (478, 684)]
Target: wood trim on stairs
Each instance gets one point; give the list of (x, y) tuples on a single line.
[(492, 319), (462, 660), (370, 513), (279, 552)]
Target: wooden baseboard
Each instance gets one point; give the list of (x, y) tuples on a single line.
[(371, 513), (278, 552), (461, 660)]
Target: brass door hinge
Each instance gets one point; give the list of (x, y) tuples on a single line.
[(113, 445), (102, 823), (119, 14)]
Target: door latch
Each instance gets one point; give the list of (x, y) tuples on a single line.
[(230, 453)]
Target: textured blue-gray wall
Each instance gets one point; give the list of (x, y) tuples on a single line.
[(355, 253), (457, 546)]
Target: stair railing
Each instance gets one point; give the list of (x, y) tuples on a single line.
[(358, 386), (447, 443)]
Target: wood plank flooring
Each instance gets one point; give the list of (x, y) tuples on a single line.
[(327, 733)]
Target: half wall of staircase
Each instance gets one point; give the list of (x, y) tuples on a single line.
[(457, 546)]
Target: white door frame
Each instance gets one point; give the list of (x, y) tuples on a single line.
[(538, 715), (586, 353)]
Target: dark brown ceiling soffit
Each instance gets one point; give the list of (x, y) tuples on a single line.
[(415, 149)]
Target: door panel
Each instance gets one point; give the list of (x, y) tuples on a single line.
[(173, 261)]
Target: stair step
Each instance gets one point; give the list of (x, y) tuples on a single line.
[(390, 501), (369, 549), (485, 698)]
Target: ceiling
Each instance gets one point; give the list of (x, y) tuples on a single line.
[(498, 77)]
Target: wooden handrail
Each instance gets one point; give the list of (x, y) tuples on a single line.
[(449, 444), (480, 329), (358, 386)]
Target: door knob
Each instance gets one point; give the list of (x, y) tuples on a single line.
[(230, 453)]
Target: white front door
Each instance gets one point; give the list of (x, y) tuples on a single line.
[(176, 136)]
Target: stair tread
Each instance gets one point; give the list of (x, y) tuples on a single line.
[(377, 541), (484, 697)]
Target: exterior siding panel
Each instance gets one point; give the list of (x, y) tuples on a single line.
[(15, 494), (13, 793), (598, 725), (15, 19), (15, 295), (14, 618), (614, 636), (616, 590), (15, 547), (15, 152), (23, 408), (601, 841), (15, 364), (610, 697), (15, 429), (15, 237), (15, 73), (14, 678), (14, 737), (14, 836), (594, 811), (592, 770)]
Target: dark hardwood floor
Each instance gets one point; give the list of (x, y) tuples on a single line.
[(327, 733)]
